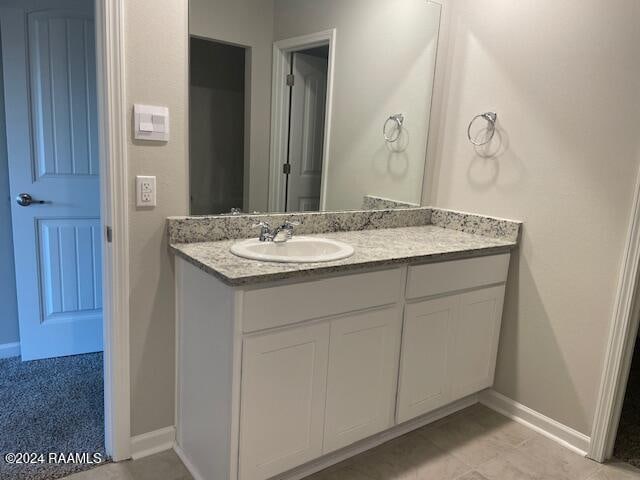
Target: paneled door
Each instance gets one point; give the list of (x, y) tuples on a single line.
[(48, 59), (306, 132)]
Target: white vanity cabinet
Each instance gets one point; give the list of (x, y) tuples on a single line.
[(362, 376), (277, 375), (311, 389), (284, 385), (476, 331), (424, 383), (449, 349)]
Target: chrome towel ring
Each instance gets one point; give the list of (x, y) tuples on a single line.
[(398, 118), (491, 118)]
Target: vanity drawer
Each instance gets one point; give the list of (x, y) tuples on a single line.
[(437, 278), (287, 304)]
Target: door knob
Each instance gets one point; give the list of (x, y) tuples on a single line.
[(24, 200)]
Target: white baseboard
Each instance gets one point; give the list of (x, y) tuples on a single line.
[(187, 463), (152, 442), (552, 429), (8, 350)]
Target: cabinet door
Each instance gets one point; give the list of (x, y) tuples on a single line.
[(282, 400), (363, 368), (475, 340), (426, 337)]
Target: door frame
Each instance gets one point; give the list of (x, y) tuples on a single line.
[(280, 112), (620, 344), (114, 195)]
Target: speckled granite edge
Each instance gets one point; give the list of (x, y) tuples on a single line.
[(477, 224), (193, 229), (337, 269), (373, 248), (372, 202)]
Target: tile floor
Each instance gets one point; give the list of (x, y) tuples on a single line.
[(474, 444)]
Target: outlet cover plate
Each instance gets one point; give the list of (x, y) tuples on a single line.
[(145, 191)]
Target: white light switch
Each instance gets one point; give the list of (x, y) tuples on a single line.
[(145, 191), (151, 122)]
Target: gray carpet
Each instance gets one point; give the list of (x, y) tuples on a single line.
[(53, 405), (627, 446)]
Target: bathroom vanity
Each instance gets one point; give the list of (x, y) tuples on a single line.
[(286, 368)]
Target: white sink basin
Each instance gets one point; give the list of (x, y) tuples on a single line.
[(296, 250)]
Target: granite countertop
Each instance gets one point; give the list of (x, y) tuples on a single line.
[(373, 248)]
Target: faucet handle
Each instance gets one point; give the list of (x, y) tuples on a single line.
[(292, 223), (266, 234)]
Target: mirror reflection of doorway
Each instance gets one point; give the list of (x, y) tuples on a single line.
[(307, 111), (216, 127)]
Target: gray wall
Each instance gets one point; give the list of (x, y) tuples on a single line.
[(156, 67), (8, 305), (564, 78)]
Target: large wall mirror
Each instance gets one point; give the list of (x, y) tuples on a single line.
[(309, 105)]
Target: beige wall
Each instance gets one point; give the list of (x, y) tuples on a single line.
[(564, 78), (156, 71), (247, 23), (385, 56)]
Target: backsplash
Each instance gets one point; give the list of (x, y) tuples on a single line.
[(372, 202), (476, 224), (192, 229), (213, 228)]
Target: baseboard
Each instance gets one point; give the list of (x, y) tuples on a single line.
[(152, 442), (552, 429), (8, 350), (187, 463)]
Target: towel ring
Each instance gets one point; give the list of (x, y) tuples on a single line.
[(491, 118), (398, 118)]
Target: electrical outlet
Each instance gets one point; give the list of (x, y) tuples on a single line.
[(145, 191)]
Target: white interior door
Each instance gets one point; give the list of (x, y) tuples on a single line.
[(48, 58), (306, 132)]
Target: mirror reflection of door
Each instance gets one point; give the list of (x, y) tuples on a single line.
[(306, 128)]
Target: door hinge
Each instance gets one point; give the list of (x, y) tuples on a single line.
[(286, 168), (291, 79), (109, 234)]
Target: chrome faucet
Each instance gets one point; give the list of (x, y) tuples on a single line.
[(277, 235), (265, 231)]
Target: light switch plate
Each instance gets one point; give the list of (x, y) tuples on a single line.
[(151, 123), (145, 191)]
